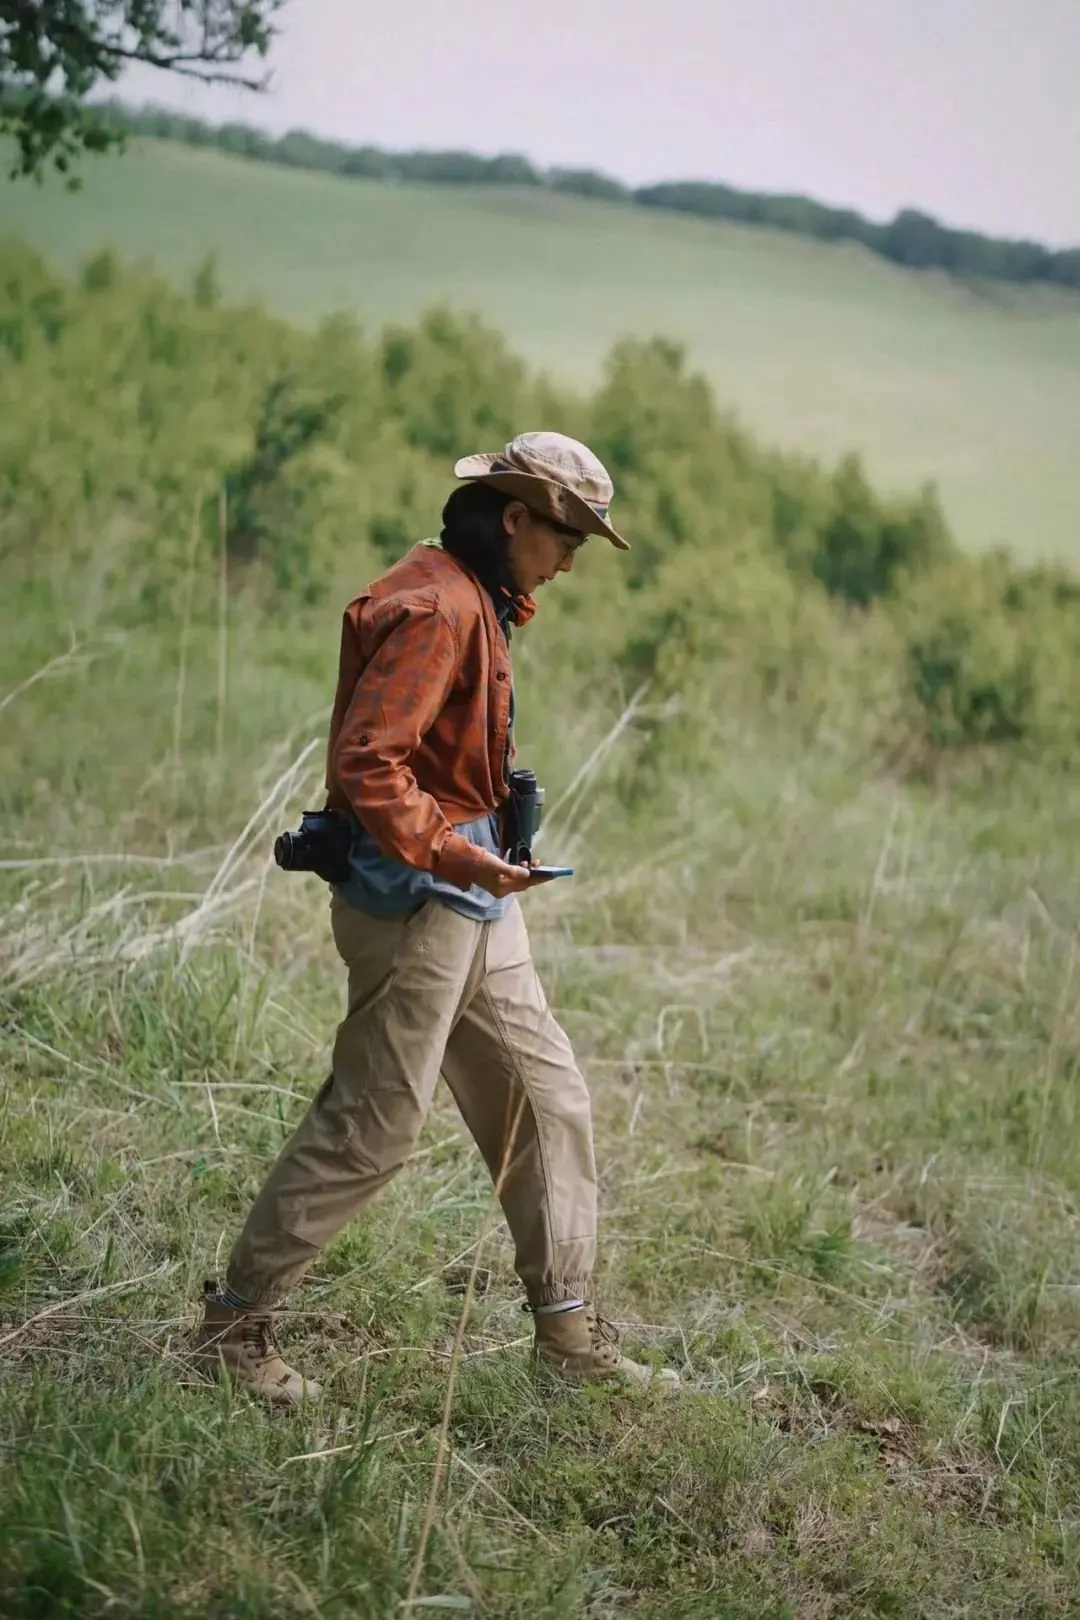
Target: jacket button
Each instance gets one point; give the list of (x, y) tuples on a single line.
[(500, 675)]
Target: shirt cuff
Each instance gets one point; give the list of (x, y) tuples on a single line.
[(460, 862)]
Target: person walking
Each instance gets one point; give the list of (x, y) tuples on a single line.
[(428, 924)]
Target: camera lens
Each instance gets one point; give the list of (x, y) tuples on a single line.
[(283, 850)]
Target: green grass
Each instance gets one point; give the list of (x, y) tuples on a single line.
[(818, 347), (832, 1042), (826, 1007)]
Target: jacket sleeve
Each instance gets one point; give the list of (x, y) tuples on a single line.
[(400, 693)]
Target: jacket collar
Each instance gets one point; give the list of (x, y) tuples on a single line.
[(510, 607)]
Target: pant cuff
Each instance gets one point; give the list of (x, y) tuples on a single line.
[(555, 1292), (259, 1296)]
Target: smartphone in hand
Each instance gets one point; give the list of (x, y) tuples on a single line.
[(544, 874)]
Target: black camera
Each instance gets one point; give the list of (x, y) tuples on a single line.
[(524, 812), (321, 845)]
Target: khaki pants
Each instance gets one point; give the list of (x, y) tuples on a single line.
[(436, 992)]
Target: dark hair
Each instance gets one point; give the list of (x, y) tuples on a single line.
[(473, 533)]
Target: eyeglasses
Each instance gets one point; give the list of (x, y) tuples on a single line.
[(565, 531)]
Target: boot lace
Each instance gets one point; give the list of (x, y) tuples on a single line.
[(601, 1330), (259, 1339), (604, 1336)]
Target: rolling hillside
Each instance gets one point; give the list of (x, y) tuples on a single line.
[(818, 347)]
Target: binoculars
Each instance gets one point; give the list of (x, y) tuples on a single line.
[(524, 812)]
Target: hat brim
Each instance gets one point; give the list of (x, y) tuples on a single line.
[(544, 493)]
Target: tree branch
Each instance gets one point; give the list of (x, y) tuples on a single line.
[(97, 50), (52, 54), (178, 64)]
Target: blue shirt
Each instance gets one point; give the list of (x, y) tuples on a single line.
[(382, 886)]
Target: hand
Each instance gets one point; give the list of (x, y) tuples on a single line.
[(501, 879)]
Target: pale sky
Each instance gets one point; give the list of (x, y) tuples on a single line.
[(968, 109)]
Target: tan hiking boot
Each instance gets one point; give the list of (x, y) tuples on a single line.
[(240, 1345), (581, 1347)]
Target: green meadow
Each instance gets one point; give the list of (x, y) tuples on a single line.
[(813, 756)]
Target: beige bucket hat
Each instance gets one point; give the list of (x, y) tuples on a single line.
[(557, 475)]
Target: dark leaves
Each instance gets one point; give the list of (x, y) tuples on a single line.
[(52, 57)]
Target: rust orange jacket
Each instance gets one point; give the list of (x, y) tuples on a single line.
[(419, 737)]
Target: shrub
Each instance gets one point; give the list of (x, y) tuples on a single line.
[(992, 656)]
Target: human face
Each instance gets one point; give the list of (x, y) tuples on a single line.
[(537, 547)]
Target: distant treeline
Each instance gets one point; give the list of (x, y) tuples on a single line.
[(912, 239)]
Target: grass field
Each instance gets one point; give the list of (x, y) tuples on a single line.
[(818, 347), (832, 1041), (819, 966)]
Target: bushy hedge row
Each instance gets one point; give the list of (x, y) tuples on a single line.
[(143, 425)]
